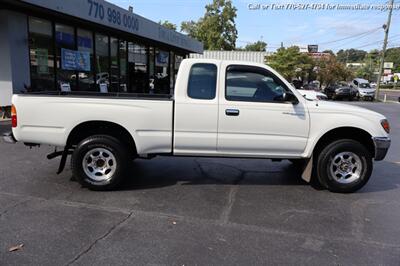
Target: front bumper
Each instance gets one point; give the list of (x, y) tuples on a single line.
[(8, 137), (367, 95), (382, 145)]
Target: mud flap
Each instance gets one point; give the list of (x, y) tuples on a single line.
[(307, 172), (64, 154)]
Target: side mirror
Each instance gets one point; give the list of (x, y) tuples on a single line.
[(290, 97)]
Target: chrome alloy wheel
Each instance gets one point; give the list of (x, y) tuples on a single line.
[(346, 167), (99, 164)]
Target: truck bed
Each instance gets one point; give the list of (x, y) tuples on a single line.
[(49, 117)]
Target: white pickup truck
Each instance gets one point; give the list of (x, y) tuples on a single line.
[(220, 109)]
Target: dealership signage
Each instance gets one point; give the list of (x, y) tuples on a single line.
[(388, 65), (313, 48), (110, 15)]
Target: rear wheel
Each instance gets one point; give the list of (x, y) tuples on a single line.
[(344, 166), (99, 162)]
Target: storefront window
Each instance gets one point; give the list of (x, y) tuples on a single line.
[(41, 54), (162, 82), (152, 77), (65, 43), (85, 48), (137, 69), (114, 79), (102, 63), (123, 66)]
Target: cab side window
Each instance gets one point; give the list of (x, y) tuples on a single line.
[(253, 84), (202, 81)]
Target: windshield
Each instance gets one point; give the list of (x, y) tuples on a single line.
[(365, 85)]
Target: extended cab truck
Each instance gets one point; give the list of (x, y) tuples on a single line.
[(220, 109)]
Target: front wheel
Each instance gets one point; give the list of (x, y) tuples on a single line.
[(99, 162), (344, 166)]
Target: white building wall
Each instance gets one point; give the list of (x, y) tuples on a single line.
[(257, 57)]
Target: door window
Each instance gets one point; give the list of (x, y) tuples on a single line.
[(202, 81), (251, 84)]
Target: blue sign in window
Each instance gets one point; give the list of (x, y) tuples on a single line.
[(75, 60)]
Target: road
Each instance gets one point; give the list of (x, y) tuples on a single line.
[(194, 211), (391, 95)]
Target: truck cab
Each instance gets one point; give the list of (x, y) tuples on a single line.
[(234, 105)]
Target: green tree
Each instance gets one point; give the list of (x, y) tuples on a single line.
[(365, 72), (168, 25), (330, 70), (393, 55), (371, 64), (258, 46), (329, 52), (217, 28), (351, 56), (291, 63)]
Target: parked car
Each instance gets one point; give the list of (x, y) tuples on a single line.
[(340, 91), (220, 109), (365, 92), (311, 87)]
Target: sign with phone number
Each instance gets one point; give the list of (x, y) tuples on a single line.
[(97, 11)]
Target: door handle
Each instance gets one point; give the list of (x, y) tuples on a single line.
[(293, 113), (232, 112)]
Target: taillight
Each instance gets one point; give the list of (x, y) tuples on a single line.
[(13, 116), (386, 126)]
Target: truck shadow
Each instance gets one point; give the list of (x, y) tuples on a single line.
[(166, 172)]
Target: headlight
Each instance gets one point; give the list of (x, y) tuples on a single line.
[(386, 126)]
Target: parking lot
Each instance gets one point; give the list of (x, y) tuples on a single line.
[(197, 211)]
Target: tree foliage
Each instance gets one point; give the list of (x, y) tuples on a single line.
[(351, 55), (329, 52), (168, 25), (217, 28), (393, 55), (258, 46), (330, 70), (291, 64), (295, 65)]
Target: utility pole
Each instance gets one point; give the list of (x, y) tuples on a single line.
[(386, 27)]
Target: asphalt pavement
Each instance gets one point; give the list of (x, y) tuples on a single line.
[(197, 211), (391, 95)]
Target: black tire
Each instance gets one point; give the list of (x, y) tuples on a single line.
[(324, 164), (111, 147)]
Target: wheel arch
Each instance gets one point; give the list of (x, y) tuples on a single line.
[(353, 133), (100, 127)]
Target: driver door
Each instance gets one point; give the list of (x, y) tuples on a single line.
[(253, 118)]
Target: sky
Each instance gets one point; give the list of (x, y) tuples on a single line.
[(330, 29)]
